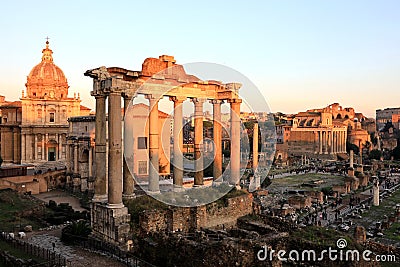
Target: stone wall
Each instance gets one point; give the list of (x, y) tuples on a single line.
[(35, 184), (187, 219)]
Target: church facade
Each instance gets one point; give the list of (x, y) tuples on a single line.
[(34, 129)]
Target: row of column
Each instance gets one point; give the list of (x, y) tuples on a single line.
[(121, 183), (331, 142), (73, 158), (26, 145)]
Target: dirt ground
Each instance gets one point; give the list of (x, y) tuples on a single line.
[(60, 197)]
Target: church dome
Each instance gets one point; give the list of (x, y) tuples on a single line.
[(46, 80)]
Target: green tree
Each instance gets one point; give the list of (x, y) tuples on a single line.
[(76, 231), (375, 154), (351, 146)]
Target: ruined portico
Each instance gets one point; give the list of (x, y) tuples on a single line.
[(158, 78)]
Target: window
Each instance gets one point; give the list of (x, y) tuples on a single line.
[(142, 167), (51, 117), (142, 143)]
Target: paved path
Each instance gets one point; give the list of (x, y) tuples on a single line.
[(77, 257)]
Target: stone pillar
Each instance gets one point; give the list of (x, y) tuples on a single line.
[(128, 182), (235, 141), (76, 158), (198, 138), (217, 136), (154, 186), (178, 142), (114, 151), (351, 158), (68, 155), (320, 142), (23, 147), (90, 162), (100, 183), (36, 149), (60, 146), (43, 140), (255, 146), (375, 190)]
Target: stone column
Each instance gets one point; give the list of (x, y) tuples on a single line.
[(76, 170), (128, 182), (60, 146), (36, 149), (198, 138), (69, 160), (114, 151), (235, 141), (217, 136), (100, 183), (331, 142), (315, 142), (90, 162), (320, 142), (154, 183), (178, 142), (43, 152), (255, 146), (23, 147), (351, 158)]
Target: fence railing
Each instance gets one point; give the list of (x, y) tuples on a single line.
[(51, 258), (125, 257)]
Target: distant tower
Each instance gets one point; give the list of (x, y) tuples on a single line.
[(376, 190)]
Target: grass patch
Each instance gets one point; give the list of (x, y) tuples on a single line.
[(303, 182), (16, 211)]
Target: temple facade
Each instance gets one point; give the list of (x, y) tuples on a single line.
[(159, 77), (34, 129)]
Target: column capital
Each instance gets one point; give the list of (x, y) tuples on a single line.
[(98, 95), (216, 101), (178, 99), (234, 101), (198, 101)]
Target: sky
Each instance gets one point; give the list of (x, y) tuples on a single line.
[(300, 54)]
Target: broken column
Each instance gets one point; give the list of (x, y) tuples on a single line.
[(375, 190)]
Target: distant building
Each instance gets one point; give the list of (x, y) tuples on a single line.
[(80, 153), (384, 116), (321, 132), (34, 129)]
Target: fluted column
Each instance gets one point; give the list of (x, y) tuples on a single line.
[(217, 137), (235, 141), (100, 183), (154, 186), (178, 142), (114, 151), (198, 138), (128, 182)]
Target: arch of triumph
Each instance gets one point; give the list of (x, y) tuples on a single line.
[(159, 77)]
